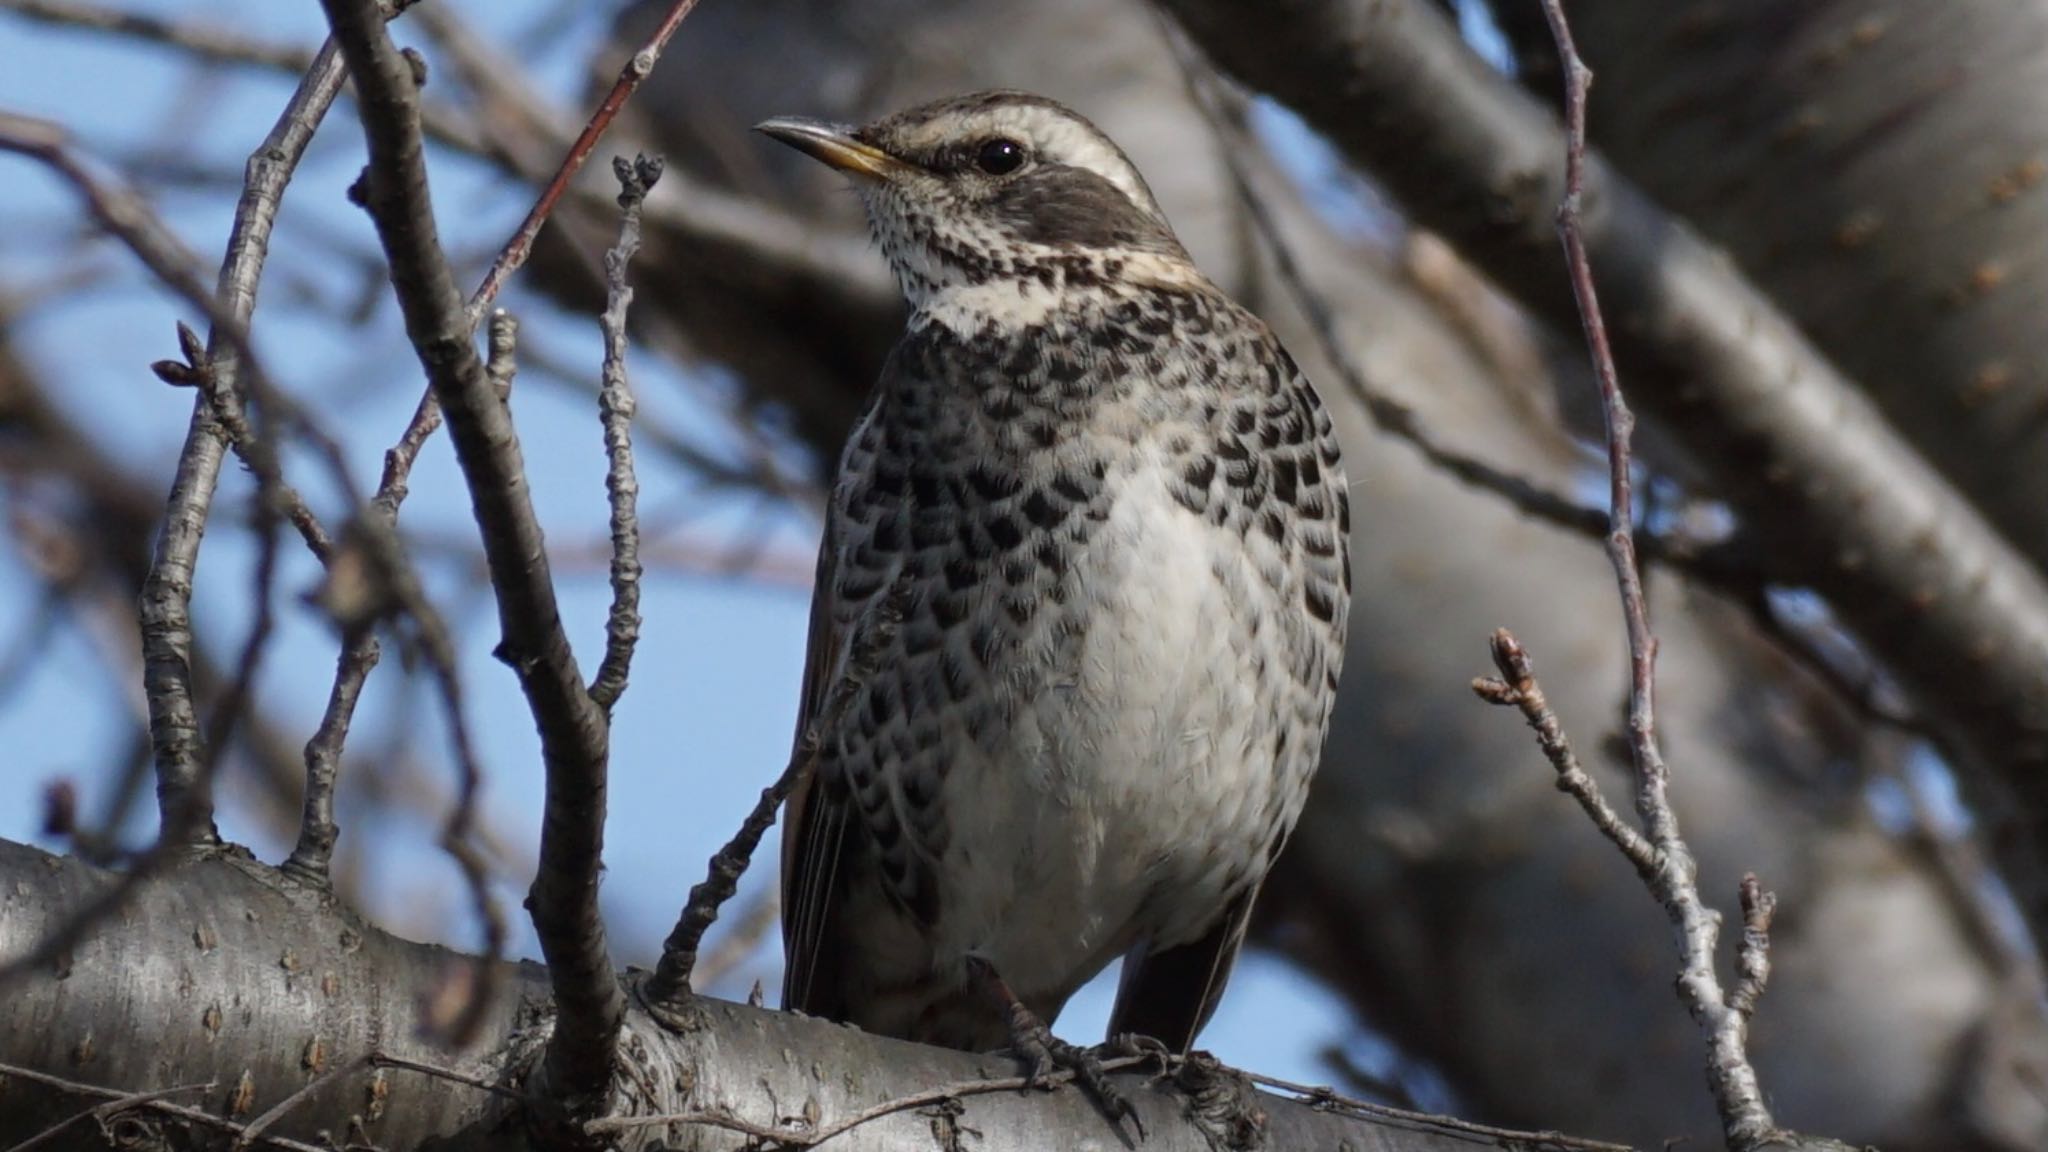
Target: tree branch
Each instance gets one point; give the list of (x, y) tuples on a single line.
[(616, 406), (1660, 854), (239, 1014), (573, 730)]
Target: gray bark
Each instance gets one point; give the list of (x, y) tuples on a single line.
[(239, 988)]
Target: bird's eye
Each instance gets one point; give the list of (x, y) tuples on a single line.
[(1000, 157)]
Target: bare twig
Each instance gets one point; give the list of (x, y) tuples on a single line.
[(1659, 853), (1745, 1119), (668, 989), (1753, 957), (397, 591), (185, 809), (1666, 865), (590, 1008), (1324, 1098), (616, 407), (153, 1101), (637, 68), (314, 851), (426, 418), (358, 595), (255, 1129), (102, 1114), (1518, 688), (755, 921), (184, 766)]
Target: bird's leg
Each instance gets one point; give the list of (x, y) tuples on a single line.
[(1042, 1052)]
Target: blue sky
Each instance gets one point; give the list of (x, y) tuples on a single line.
[(707, 720)]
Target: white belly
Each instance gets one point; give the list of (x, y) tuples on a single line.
[(1143, 774)]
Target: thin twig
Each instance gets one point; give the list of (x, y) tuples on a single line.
[(573, 727), (616, 407), (576, 1070), (747, 932), (101, 1113), (397, 592), (669, 988), (314, 852), (1850, 507), (1753, 956), (152, 1101), (1745, 1118), (1518, 688), (358, 595), (183, 765), (185, 809), (255, 1129), (637, 68), (1324, 1098), (426, 417)]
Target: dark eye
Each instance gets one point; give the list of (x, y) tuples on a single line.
[(1000, 157)]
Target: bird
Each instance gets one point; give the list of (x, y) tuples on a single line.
[(1080, 605)]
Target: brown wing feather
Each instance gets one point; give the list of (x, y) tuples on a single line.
[(814, 820), (1170, 994)]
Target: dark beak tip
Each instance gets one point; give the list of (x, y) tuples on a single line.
[(788, 127)]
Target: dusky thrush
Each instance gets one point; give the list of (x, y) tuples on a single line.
[(1080, 604)]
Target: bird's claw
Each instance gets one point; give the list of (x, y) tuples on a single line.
[(1045, 1055)]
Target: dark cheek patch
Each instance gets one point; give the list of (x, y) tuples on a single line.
[(1068, 207)]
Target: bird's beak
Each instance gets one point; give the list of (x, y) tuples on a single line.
[(833, 144)]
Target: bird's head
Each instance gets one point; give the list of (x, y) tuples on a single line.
[(993, 186)]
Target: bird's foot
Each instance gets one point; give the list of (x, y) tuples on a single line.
[(1133, 1046), (1044, 1055)]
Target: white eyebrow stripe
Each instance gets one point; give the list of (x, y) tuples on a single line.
[(1064, 141)]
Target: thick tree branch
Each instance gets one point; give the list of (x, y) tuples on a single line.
[(1850, 508), (274, 988)]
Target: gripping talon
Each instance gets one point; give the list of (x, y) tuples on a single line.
[(1042, 1053)]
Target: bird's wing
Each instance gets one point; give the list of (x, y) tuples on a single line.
[(858, 607), (815, 824), (1170, 994)]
